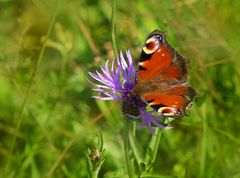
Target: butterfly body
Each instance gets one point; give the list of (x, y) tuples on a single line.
[(162, 77)]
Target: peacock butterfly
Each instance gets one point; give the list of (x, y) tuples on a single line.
[(162, 77)]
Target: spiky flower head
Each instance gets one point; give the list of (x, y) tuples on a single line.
[(115, 81)]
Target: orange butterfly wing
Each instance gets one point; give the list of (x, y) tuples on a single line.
[(162, 77)]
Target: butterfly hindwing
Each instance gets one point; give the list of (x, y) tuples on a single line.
[(171, 102), (168, 105)]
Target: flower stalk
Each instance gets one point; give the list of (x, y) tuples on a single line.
[(152, 149), (127, 148), (113, 28)]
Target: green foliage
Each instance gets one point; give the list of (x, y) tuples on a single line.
[(48, 120)]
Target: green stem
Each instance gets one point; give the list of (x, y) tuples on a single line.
[(152, 149), (26, 96), (204, 139), (127, 126), (113, 28), (156, 145), (97, 169), (136, 153)]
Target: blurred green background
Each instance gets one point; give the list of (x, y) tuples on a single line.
[(48, 120)]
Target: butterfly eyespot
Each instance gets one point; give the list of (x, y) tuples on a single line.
[(169, 111), (152, 44)]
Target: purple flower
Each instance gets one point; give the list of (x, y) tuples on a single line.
[(116, 83)]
